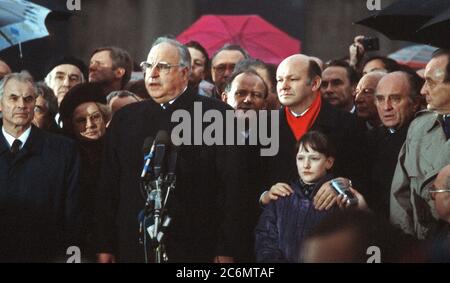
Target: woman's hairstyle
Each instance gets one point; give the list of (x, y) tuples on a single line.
[(317, 141)]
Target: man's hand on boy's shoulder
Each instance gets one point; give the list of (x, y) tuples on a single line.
[(276, 191)]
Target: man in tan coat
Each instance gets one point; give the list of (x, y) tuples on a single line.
[(425, 152)]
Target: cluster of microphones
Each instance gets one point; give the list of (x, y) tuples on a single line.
[(158, 181)]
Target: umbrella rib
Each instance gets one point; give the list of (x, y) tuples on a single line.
[(225, 25), (6, 37)]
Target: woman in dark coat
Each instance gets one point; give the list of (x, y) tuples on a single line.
[(85, 115)]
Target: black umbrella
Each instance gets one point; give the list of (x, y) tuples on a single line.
[(437, 31), (401, 20)]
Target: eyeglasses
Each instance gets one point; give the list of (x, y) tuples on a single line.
[(434, 190), (221, 68), (95, 117), (439, 191), (163, 67), (253, 94)]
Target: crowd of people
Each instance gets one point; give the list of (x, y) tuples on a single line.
[(71, 158)]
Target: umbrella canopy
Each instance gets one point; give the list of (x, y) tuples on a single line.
[(437, 31), (9, 13), (415, 56), (30, 26), (261, 39), (402, 19)]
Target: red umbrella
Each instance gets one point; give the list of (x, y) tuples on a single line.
[(261, 39)]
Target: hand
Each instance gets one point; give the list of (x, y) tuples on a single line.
[(223, 259), (276, 191), (106, 258), (325, 197), (356, 50), (361, 205)]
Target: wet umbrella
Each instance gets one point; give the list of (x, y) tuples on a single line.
[(9, 14), (402, 19), (23, 21), (415, 56), (437, 31), (261, 39)]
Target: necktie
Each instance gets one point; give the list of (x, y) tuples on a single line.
[(446, 126), (15, 147)]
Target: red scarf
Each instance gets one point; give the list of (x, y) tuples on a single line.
[(300, 125)]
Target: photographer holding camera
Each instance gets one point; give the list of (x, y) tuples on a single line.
[(358, 49)]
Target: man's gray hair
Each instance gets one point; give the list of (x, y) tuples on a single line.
[(185, 56), (50, 99), (23, 76)]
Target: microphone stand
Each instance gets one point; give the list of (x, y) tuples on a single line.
[(155, 208)]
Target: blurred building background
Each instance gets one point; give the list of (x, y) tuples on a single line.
[(325, 27)]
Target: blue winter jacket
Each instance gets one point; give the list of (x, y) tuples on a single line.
[(285, 223)]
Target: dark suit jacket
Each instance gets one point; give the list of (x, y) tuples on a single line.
[(341, 128), (205, 206), (39, 209), (383, 148)]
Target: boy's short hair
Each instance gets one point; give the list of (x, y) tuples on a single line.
[(317, 141)]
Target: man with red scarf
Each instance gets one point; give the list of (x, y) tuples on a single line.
[(298, 87)]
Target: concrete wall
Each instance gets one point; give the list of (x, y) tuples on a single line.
[(324, 27), (130, 24)]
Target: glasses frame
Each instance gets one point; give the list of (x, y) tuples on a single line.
[(439, 190), (91, 117), (222, 68), (163, 67)]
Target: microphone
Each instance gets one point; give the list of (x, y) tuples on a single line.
[(171, 172), (149, 146), (162, 138), (161, 141), (160, 151), (172, 163)]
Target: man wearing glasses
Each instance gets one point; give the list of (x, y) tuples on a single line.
[(222, 65), (396, 100), (426, 150), (205, 204)]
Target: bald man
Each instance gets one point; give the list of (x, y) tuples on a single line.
[(396, 101), (366, 109), (298, 87)]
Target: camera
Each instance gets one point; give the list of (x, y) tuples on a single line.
[(371, 43), (342, 188)]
